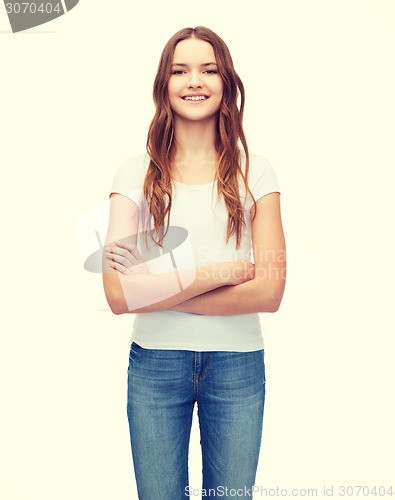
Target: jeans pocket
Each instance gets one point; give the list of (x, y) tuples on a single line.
[(135, 347), (135, 353)]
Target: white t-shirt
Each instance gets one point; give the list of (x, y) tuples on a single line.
[(197, 236)]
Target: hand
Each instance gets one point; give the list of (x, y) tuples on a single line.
[(125, 258), (241, 271), (237, 272)]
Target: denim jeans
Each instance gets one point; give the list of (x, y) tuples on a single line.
[(229, 389)]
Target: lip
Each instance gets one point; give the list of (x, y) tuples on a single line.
[(196, 95)]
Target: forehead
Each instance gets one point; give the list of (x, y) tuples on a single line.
[(192, 51)]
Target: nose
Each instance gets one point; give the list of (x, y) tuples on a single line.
[(195, 79)]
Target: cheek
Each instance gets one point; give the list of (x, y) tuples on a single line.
[(173, 87), (219, 87), (169, 89)]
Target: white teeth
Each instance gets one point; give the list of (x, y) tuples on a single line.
[(195, 98)]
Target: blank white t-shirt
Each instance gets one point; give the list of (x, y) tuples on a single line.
[(198, 223)]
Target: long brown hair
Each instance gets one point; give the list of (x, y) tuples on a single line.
[(157, 184)]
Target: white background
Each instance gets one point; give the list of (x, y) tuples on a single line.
[(75, 103)]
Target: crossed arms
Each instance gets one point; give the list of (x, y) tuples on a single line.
[(221, 288)]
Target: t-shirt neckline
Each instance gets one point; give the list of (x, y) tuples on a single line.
[(194, 186)]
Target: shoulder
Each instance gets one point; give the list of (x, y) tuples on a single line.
[(129, 177), (132, 170), (258, 164), (262, 178)]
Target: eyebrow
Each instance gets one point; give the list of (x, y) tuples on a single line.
[(204, 64)]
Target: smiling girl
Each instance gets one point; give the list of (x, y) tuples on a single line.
[(195, 248)]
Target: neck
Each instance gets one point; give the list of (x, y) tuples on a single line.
[(194, 141)]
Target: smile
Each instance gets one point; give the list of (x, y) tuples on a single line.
[(195, 98)]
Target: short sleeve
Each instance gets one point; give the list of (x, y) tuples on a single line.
[(129, 178), (262, 178)]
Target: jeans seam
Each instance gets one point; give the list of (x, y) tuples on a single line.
[(207, 367)]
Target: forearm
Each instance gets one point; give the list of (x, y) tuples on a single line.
[(248, 297), (140, 293), (159, 292)]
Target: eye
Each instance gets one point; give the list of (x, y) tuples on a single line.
[(177, 72), (211, 71)]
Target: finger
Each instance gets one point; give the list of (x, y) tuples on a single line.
[(130, 247), (121, 252), (119, 267), (120, 259), (113, 250)]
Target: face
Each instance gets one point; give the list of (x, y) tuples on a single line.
[(195, 86)]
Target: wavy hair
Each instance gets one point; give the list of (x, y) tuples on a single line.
[(157, 183)]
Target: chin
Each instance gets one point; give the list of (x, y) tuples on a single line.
[(196, 115), (196, 118)]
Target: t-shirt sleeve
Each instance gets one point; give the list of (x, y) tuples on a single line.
[(262, 177), (128, 180)]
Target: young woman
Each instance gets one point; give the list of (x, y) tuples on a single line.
[(195, 248)]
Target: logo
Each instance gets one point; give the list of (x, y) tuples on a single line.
[(25, 15), (175, 258)]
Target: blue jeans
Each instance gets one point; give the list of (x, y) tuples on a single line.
[(163, 386)]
